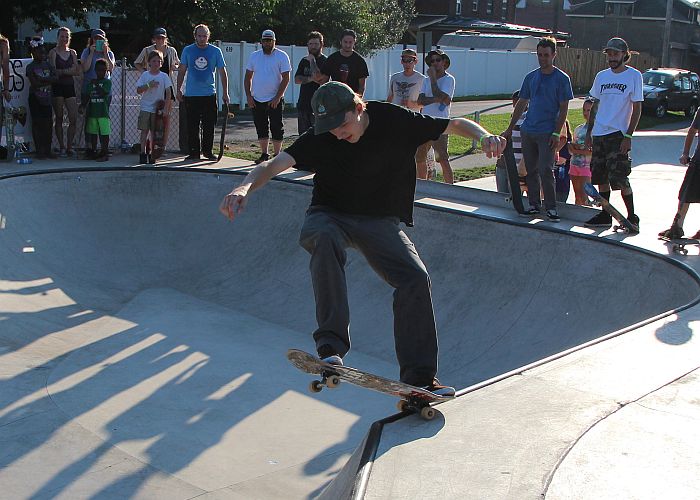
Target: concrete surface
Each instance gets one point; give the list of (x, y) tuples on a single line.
[(142, 341)]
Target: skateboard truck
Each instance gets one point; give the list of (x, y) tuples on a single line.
[(328, 379)]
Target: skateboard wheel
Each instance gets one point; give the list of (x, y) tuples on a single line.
[(316, 386), (333, 381), (402, 405), (427, 413)]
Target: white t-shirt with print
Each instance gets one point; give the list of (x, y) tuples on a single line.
[(445, 84), (154, 94), (267, 73), (616, 92)]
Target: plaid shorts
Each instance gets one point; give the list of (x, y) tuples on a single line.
[(608, 164)]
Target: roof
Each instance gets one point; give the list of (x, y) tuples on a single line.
[(456, 23), (489, 41), (646, 8)]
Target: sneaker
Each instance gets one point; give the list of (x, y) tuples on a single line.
[(673, 232), (553, 216), (143, 158), (439, 389), (327, 354), (151, 160), (263, 157), (602, 219), (193, 157), (209, 156), (531, 212), (634, 219)]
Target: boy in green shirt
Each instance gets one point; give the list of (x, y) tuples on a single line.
[(97, 118)]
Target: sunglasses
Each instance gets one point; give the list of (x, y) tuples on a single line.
[(434, 60), (407, 59)]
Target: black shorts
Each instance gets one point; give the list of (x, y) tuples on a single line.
[(690, 189), (63, 90)]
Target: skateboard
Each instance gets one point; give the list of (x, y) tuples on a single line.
[(679, 244), (159, 131), (516, 196), (10, 120), (624, 224), (223, 134), (413, 398)]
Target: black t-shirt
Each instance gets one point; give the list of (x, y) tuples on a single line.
[(346, 69), (377, 174), (307, 90)]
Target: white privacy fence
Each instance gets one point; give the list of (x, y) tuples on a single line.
[(476, 72)]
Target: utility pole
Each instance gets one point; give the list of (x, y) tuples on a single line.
[(666, 53)]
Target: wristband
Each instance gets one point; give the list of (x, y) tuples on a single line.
[(481, 139), (629, 136), (554, 134)]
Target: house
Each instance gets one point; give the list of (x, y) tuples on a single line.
[(550, 14), (642, 24)]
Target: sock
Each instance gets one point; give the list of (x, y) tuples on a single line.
[(629, 203)]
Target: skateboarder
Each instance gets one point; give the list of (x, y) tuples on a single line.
[(363, 156), (690, 189)]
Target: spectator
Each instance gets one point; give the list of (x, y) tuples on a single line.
[(436, 97), (562, 180), (619, 91), (690, 188), (65, 62), (580, 164), (361, 193), (153, 85), (266, 80), (96, 108), (405, 86), (546, 91), (41, 75), (201, 60), (310, 78), (346, 65), (160, 43), (97, 48)]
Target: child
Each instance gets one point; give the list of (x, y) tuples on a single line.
[(154, 86), (562, 182), (97, 117), (41, 75), (580, 167)]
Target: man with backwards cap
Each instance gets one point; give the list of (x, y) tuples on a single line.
[(363, 156), (613, 120), (266, 79)]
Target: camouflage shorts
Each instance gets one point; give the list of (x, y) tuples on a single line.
[(608, 165)]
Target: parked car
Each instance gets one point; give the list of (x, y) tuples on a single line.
[(671, 89)]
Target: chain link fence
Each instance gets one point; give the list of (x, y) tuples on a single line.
[(124, 114)]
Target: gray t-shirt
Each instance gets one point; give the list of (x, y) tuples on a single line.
[(405, 87)]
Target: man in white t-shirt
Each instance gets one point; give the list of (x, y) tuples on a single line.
[(405, 86), (266, 79), (613, 120), (436, 97)]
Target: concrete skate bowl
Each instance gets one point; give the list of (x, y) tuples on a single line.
[(132, 308)]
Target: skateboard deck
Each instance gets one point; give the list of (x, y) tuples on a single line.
[(516, 196), (412, 398), (624, 224), (223, 134), (679, 244), (159, 131)]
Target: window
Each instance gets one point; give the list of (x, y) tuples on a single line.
[(504, 10), (686, 83), (489, 7), (696, 82), (475, 6), (458, 10), (619, 9)]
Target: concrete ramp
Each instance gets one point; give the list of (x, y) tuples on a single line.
[(142, 335)]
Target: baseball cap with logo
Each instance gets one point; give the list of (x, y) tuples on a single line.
[(268, 34), (617, 44), (329, 104)]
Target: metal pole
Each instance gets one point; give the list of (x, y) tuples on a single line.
[(665, 62), (477, 118), (123, 117)]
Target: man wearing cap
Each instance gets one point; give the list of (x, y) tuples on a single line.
[(405, 86), (436, 97), (346, 65), (545, 93), (613, 119), (363, 156), (266, 80), (309, 78)]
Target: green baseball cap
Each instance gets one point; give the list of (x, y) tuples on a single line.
[(329, 104)]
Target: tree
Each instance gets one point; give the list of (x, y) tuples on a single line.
[(44, 13)]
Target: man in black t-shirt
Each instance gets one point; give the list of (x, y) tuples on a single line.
[(310, 78), (363, 156), (346, 65)]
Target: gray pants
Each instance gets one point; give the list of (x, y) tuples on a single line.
[(539, 159), (326, 235)]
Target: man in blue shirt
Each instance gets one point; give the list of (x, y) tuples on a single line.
[(200, 61), (546, 92)]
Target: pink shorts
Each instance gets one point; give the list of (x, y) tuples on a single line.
[(579, 171)]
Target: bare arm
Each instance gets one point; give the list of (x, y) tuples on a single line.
[(281, 90), (591, 121), (234, 203), (181, 72), (685, 157), (223, 74), (558, 126), (247, 82), (361, 87), (492, 145)]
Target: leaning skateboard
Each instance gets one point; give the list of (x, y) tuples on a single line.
[(222, 139), (516, 196), (623, 224), (679, 244), (159, 131), (412, 399)]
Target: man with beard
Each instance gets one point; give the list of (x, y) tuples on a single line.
[(612, 121), (200, 61), (310, 78), (266, 79), (346, 65)]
